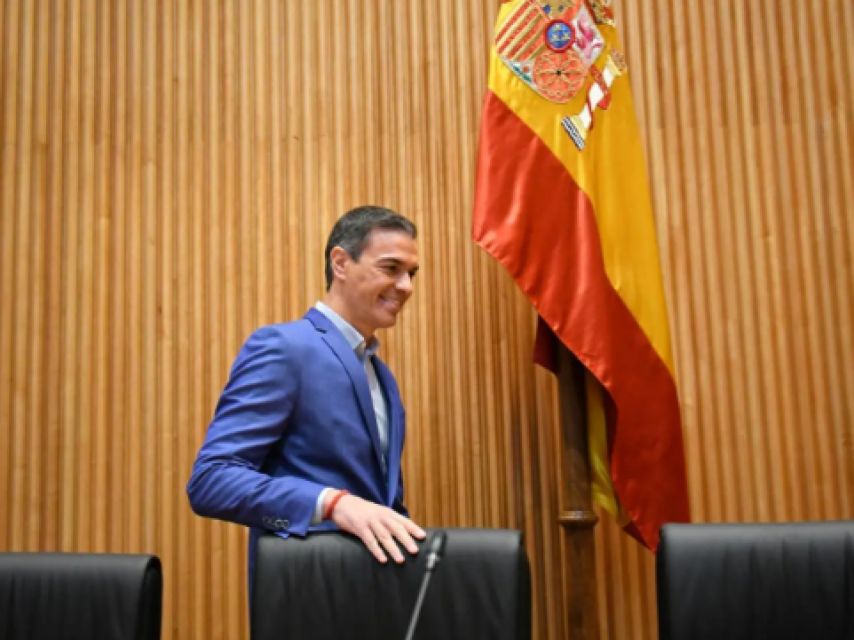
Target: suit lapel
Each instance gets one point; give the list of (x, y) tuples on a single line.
[(355, 370), (395, 429)]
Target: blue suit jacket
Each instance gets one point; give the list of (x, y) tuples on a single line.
[(294, 418)]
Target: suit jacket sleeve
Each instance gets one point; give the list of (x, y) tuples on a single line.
[(250, 419)]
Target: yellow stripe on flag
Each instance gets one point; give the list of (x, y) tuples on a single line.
[(597, 443)]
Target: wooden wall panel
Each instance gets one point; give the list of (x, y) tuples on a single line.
[(169, 171)]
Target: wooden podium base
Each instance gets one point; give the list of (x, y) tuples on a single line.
[(577, 517)]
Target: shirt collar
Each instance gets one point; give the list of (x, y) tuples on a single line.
[(351, 335)]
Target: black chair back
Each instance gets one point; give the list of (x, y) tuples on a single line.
[(754, 581), (327, 585), (76, 596)]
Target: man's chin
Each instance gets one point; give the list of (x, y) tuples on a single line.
[(387, 319)]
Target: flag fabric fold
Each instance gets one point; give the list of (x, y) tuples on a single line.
[(562, 202)]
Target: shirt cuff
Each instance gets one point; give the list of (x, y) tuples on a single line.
[(317, 518)]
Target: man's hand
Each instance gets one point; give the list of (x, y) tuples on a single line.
[(377, 526)]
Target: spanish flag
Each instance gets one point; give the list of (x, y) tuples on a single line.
[(562, 201)]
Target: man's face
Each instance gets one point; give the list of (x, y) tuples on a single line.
[(377, 286)]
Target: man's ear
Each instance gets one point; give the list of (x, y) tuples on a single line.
[(339, 258)]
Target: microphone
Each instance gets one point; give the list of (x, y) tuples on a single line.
[(435, 551)]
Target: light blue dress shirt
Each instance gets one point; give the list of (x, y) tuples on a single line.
[(364, 351)]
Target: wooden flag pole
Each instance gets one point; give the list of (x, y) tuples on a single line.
[(577, 517)]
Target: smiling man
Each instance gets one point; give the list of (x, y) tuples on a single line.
[(309, 430)]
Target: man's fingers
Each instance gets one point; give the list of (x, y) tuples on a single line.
[(412, 528), (379, 528), (374, 546), (402, 534), (387, 541)]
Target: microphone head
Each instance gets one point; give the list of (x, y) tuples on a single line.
[(437, 543), (436, 548)]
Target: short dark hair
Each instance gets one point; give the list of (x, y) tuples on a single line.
[(353, 229)]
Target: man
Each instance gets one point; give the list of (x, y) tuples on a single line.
[(309, 430)]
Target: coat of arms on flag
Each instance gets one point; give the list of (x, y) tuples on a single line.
[(554, 47)]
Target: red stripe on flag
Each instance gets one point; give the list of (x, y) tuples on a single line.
[(534, 219)]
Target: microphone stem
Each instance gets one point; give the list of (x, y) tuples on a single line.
[(418, 603)]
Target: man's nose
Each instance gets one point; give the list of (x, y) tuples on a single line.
[(404, 283)]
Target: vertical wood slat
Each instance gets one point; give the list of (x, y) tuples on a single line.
[(35, 489), (20, 412), (8, 120), (169, 171)]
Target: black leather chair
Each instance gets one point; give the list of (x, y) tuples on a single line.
[(756, 581), (71, 596), (328, 586)]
